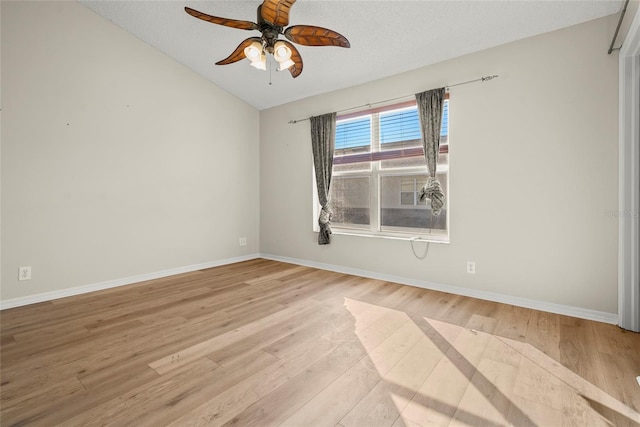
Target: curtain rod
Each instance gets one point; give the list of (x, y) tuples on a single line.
[(480, 79), (615, 35)]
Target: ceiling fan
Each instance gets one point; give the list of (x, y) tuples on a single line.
[(273, 17)]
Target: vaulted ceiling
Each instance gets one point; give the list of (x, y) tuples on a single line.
[(387, 37)]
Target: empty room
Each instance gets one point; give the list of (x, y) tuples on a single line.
[(320, 213)]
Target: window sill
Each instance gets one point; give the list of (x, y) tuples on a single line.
[(392, 236)]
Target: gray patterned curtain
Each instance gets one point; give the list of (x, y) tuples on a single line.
[(430, 105), (323, 136)]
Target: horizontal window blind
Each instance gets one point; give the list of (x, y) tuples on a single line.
[(399, 126), (398, 132), (353, 134)]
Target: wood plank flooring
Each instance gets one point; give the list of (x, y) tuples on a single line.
[(264, 343)]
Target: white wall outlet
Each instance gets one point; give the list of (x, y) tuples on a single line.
[(471, 267), (24, 273), (242, 241)]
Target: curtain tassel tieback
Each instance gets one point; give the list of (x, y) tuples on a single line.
[(324, 221), (433, 191)]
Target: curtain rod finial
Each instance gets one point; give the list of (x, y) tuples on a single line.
[(484, 79)]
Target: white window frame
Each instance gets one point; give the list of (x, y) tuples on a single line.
[(375, 229)]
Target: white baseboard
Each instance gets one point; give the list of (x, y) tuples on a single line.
[(582, 313), (48, 296), (578, 312)]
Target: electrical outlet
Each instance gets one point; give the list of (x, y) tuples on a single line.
[(242, 241), (24, 273), (471, 267)]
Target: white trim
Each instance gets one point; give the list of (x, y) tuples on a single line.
[(628, 186), (79, 290), (392, 235), (582, 313), (579, 312)]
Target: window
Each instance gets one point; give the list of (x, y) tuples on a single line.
[(409, 189), (378, 171)]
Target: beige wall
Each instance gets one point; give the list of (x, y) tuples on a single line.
[(533, 171), (116, 160)]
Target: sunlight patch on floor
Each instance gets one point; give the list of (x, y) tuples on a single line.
[(436, 373)]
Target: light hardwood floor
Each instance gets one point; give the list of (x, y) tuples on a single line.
[(266, 343)]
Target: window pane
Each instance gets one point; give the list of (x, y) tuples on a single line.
[(444, 129), (350, 199), (399, 208), (400, 128), (405, 162), (443, 159), (408, 198), (353, 136), (408, 185), (359, 166), (416, 161)]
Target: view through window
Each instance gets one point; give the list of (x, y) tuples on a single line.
[(378, 171)]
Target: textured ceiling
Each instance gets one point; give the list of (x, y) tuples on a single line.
[(387, 37)]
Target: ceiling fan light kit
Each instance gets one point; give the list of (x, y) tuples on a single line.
[(256, 55), (282, 54), (273, 16)]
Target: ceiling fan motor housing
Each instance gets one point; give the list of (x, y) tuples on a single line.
[(269, 32)]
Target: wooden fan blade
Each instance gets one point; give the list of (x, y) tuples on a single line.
[(238, 54), (309, 35), (276, 12), (233, 23), (296, 68)]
